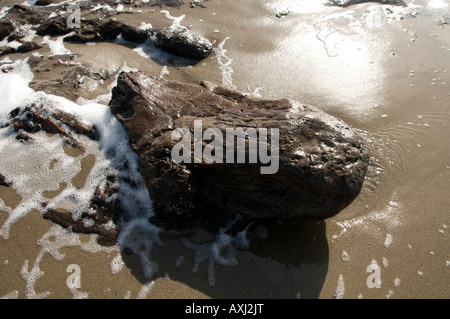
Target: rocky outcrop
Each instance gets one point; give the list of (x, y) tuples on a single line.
[(322, 161), (181, 42), (35, 118)]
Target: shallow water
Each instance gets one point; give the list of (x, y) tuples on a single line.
[(384, 70)]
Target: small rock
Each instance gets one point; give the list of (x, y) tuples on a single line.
[(184, 43)]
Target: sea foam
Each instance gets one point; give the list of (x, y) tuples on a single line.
[(41, 164)]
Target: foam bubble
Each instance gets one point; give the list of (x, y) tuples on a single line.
[(145, 289), (340, 289), (12, 295), (388, 240), (345, 256)]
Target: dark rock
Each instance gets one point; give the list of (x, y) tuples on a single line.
[(7, 50), (53, 27), (73, 122), (28, 46), (46, 2), (21, 14), (110, 30), (6, 28), (184, 43), (3, 181), (347, 3), (169, 3), (322, 161)]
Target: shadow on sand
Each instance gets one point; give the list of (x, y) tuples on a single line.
[(282, 260)]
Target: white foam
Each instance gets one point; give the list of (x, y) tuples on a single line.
[(145, 26), (222, 250), (438, 4), (297, 6), (119, 8), (31, 178), (388, 240), (57, 46), (140, 235), (345, 256), (145, 289), (340, 289), (6, 59), (389, 294), (12, 295), (14, 91), (4, 12), (52, 167), (390, 216), (99, 7), (224, 64), (68, 63), (78, 294), (176, 24), (164, 72)]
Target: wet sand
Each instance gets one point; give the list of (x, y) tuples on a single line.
[(389, 80)]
